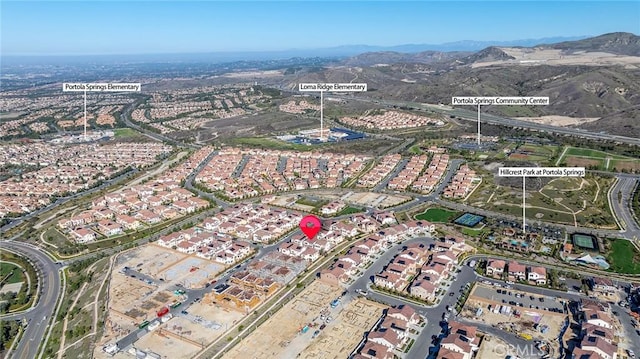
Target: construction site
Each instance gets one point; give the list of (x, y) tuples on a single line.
[(342, 335), (172, 267), (288, 332), (143, 282), (528, 323)]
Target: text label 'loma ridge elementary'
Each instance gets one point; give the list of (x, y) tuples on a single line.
[(336, 87)]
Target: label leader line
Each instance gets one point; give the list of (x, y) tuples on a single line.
[(329, 87), (525, 172), (496, 100), (85, 87)]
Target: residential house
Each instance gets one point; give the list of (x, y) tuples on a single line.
[(495, 268), (537, 275), (517, 271)]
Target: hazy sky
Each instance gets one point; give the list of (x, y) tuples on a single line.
[(129, 27)]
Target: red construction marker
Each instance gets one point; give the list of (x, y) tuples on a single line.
[(310, 226)]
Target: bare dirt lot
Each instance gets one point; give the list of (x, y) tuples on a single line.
[(342, 335), (358, 199), (260, 123), (150, 259), (540, 324), (132, 301), (560, 121), (167, 344), (375, 199), (191, 272), (273, 338), (170, 266)]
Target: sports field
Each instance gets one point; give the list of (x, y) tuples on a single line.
[(532, 152), (584, 157), (469, 220), (436, 215), (584, 241)]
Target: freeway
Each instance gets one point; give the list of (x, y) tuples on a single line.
[(497, 120), (50, 289)]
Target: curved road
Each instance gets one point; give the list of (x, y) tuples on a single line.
[(38, 316), (620, 199)]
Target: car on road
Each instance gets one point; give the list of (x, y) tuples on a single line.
[(631, 353), (451, 294)]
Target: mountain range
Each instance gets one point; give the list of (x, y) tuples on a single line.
[(596, 78)]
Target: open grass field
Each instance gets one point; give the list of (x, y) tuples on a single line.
[(270, 143), (623, 257), (7, 268), (585, 152), (437, 215), (350, 210), (471, 232), (584, 157), (125, 132), (628, 165)]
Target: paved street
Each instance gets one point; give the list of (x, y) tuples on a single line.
[(385, 181), (193, 294), (620, 199), (41, 314), (423, 345)]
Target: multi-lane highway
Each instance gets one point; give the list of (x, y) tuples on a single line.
[(49, 291), (469, 115)]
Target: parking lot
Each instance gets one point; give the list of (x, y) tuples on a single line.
[(517, 298)]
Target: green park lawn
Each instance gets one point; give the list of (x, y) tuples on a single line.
[(624, 258), (6, 268), (437, 215)]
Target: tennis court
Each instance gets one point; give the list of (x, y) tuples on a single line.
[(469, 220), (585, 241)]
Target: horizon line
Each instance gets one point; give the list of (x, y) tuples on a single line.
[(292, 49)]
